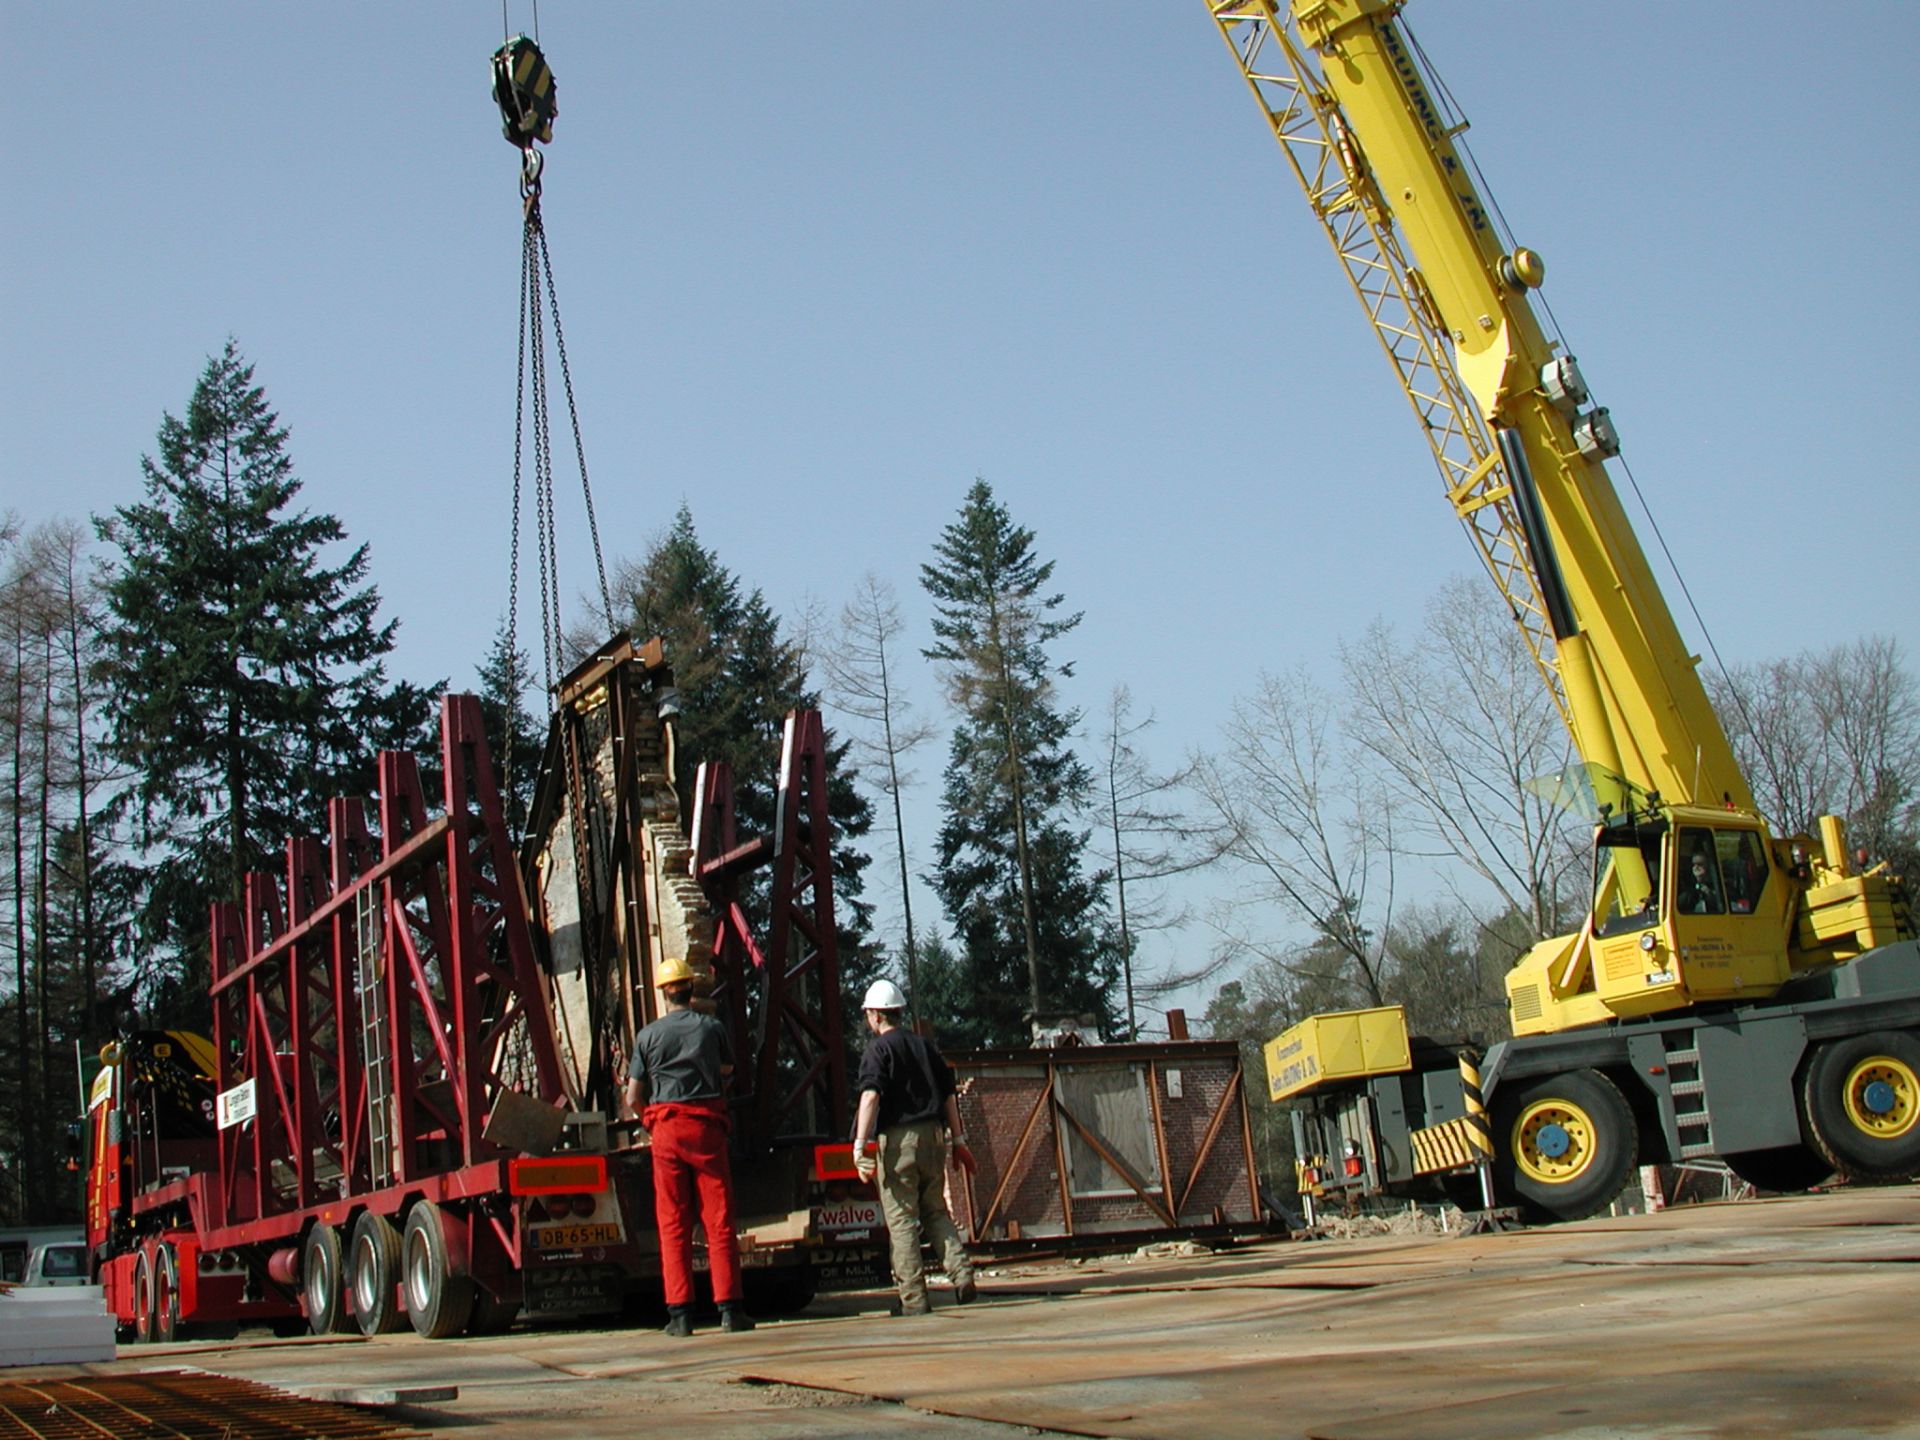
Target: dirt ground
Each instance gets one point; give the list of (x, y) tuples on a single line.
[(1791, 1317)]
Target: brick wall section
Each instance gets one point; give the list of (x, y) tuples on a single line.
[(998, 1093)]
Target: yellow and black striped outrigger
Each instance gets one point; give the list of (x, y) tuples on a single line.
[(1463, 1142)]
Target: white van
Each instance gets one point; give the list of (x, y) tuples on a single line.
[(63, 1262)]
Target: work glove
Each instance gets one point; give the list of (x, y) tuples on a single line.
[(866, 1164), (963, 1157)]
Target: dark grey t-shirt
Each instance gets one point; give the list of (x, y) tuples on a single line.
[(678, 1057)]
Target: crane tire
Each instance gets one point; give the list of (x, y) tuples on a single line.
[(323, 1281), (1860, 1105), (373, 1274), (1565, 1144), (1785, 1170), (439, 1302)]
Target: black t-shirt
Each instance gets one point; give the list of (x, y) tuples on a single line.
[(911, 1078), (679, 1056)]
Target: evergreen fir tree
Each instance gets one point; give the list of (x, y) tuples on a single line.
[(514, 738), (737, 677), (1032, 926), (245, 680)]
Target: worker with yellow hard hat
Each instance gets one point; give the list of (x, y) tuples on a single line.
[(676, 1083)]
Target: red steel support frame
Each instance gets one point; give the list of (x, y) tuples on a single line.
[(466, 1006), (801, 1054)]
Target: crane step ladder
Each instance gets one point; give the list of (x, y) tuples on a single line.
[(1690, 1118), (370, 979)]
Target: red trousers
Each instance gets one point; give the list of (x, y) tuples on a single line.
[(690, 1167)]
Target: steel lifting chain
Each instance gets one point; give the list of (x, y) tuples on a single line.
[(524, 88)]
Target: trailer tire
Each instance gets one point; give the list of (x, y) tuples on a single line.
[(373, 1274), (492, 1315), (784, 1291), (166, 1294), (1785, 1170), (1566, 1144), (439, 1302), (1861, 1104), (323, 1281), (143, 1297)]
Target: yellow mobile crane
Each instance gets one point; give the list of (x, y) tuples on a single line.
[(1732, 992)]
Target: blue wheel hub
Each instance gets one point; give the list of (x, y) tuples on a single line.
[(1878, 1097), (1553, 1141)]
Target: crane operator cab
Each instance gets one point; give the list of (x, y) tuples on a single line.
[(1690, 904), (1686, 908)]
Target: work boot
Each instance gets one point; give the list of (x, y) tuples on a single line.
[(679, 1322), (966, 1292), (732, 1318)]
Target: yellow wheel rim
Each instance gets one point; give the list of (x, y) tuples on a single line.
[(1883, 1097), (1554, 1141)]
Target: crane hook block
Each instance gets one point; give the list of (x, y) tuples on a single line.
[(524, 89)]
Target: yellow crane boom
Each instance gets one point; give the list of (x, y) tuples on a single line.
[(1522, 454)]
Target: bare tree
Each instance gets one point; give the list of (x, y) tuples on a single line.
[(1834, 732), (1461, 733), (1148, 837), (860, 662), (1287, 810)]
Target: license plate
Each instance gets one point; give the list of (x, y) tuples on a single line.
[(573, 1237)]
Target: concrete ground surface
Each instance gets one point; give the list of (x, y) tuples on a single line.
[(1787, 1317)]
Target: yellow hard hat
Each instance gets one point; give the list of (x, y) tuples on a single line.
[(674, 970)]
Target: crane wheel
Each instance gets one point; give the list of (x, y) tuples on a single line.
[(373, 1274), (1785, 1170), (439, 1302), (1567, 1144), (323, 1281), (1860, 1103)]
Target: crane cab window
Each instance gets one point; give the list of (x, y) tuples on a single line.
[(1719, 872), (1626, 875), (1698, 890), (1743, 868)]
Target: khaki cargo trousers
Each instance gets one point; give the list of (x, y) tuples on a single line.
[(913, 1177)]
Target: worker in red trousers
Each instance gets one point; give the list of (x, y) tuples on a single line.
[(677, 1085)]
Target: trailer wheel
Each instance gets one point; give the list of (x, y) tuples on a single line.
[(322, 1281), (1861, 1104), (1569, 1143), (492, 1315), (439, 1302), (166, 1294), (1785, 1170), (786, 1291), (143, 1296), (373, 1274)]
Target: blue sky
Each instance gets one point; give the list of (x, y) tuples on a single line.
[(822, 264)]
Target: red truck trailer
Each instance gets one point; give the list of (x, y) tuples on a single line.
[(407, 1110)]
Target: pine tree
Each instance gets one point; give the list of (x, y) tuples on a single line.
[(1032, 926), (244, 675), (737, 678), (514, 737)]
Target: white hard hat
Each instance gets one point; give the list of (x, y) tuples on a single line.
[(884, 995)]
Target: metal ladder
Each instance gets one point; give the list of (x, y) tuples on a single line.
[(1689, 1091), (374, 1052)]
